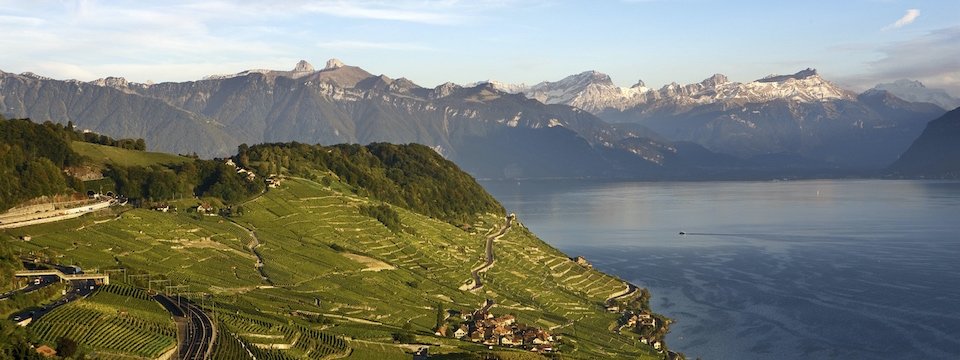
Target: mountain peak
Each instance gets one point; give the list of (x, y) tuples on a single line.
[(915, 91), (715, 80), (334, 64), (593, 76), (639, 84), (907, 83), (302, 67), (800, 75)]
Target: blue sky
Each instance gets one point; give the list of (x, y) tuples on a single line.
[(856, 43)]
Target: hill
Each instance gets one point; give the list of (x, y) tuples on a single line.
[(351, 253), (936, 153)]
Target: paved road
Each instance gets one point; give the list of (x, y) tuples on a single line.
[(197, 331), (489, 254), (45, 281), (77, 290)]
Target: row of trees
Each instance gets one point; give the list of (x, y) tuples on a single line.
[(198, 177), (32, 157)]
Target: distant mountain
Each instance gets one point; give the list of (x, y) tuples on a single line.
[(936, 153), (112, 106), (912, 90), (346, 104), (800, 114)]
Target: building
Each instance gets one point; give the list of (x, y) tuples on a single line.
[(46, 351)]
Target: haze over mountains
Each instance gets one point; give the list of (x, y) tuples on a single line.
[(580, 126)]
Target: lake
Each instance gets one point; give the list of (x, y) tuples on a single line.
[(854, 269)]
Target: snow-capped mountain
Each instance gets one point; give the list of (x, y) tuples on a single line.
[(799, 114), (912, 90), (595, 92)]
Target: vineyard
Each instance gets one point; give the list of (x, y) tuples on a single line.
[(243, 337), (116, 320)]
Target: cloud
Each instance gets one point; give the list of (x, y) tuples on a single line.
[(907, 19), (419, 12), (933, 58), (362, 45)]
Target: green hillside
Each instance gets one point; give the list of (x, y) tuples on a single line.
[(334, 273), (360, 252), (112, 155)]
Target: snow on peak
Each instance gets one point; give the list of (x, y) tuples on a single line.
[(594, 91), (912, 90), (334, 64), (303, 67), (114, 82), (501, 86)]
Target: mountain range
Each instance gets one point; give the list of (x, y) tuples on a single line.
[(580, 126), (801, 115)]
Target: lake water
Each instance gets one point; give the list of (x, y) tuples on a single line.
[(827, 269)]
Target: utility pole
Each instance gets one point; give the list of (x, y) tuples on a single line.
[(150, 283)]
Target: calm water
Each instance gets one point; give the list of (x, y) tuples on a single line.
[(771, 270)]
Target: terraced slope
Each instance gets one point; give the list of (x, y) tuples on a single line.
[(116, 321), (339, 283)]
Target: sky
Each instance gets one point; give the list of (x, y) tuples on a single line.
[(855, 43)]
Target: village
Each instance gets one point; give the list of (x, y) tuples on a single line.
[(483, 327)]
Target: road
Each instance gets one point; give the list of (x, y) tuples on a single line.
[(77, 290), (477, 284), (252, 246), (196, 330), (45, 281)]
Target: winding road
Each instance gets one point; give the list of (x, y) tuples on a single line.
[(477, 284)]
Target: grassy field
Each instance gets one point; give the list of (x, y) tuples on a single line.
[(102, 154), (339, 282)]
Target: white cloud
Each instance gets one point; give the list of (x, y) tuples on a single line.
[(907, 19), (933, 58), (419, 12), (361, 45)]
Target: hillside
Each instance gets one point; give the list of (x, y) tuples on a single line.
[(322, 256), (935, 154), (352, 255), (111, 155)]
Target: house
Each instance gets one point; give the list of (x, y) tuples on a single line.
[(476, 336), (580, 260), (511, 340), (542, 338), (506, 319), (649, 322), (161, 208), (204, 208), (644, 341), (657, 345), (461, 332), (441, 331), (46, 351)]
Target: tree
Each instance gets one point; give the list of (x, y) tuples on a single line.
[(66, 347)]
